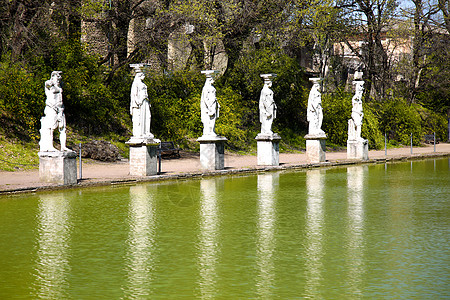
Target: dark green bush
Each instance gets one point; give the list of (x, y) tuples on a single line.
[(371, 128), (399, 120), (91, 104), (288, 87), (433, 122), (22, 97), (175, 101), (337, 109)]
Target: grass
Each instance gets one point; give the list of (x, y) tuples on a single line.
[(16, 155)]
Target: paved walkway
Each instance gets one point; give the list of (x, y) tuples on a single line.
[(97, 173)]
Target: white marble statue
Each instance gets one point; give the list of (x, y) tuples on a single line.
[(209, 105), (355, 123), (53, 115), (140, 106), (267, 106), (314, 114)]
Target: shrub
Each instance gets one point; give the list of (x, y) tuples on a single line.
[(22, 97), (288, 87), (92, 103), (175, 100), (337, 109), (433, 122), (175, 104), (399, 120)]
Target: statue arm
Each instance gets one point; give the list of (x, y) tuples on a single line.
[(48, 84)]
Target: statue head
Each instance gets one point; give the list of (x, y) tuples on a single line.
[(140, 75), (316, 84), (209, 80), (139, 70), (55, 77), (268, 79), (209, 76)]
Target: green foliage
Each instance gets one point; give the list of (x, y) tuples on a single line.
[(175, 101), (399, 120), (20, 97), (371, 128), (291, 140), (230, 120), (337, 108), (433, 122), (288, 87), (90, 103)]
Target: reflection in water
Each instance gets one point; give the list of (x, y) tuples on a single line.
[(208, 238), (52, 257), (355, 186), (140, 242), (267, 184), (314, 230)]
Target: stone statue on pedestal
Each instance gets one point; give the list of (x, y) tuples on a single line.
[(314, 113), (140, 106), (209, 105), (53, 115), (355, 123), (267, 106)]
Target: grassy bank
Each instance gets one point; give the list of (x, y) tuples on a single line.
[(17, 155)]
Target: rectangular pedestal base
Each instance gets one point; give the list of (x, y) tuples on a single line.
[(315, 150), (268, 153), (212, 154), (58, 167), (143, 160), (358, 150)]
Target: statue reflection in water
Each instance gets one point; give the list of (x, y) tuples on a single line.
[(314, 231), (355, 189), (208, 236), (267, 188), (140, 252), (52, 263)]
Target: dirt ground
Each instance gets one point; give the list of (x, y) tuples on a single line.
[(96, 172)]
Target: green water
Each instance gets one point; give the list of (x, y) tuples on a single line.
[(373, 232)]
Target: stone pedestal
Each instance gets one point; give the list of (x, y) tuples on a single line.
[(212, 152), (268, 149), (58, 167), (315, 148), (143, 156), (358, 149)]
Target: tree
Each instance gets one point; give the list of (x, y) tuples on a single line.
[(30, 26), (444, 6), (231, 21), (314, 24), (372, 19)]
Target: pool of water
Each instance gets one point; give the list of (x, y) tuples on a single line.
[(367, 231)]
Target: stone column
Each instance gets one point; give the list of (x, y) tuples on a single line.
[(212, 152), (58, 167), (315, 148), (143, 156), (268, 148)]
